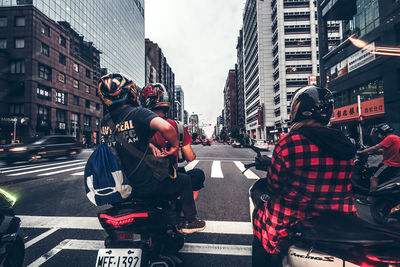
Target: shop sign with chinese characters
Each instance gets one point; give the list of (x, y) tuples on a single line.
[(374, 107)]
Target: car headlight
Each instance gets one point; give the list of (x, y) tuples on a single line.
[(20, 148)]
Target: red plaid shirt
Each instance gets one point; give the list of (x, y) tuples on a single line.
[(305, 181)]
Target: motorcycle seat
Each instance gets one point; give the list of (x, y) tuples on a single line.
[(339, 229)]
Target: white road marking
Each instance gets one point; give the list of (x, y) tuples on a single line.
[(78, 173), (249, 174), (40, 237), (216, 171), (92, 223), (57, 172), (28, 167), (46, 169), (191, 165), (198, 248)]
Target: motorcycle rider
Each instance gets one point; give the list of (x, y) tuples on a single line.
[(156, 98), (309, 174), (121, 97), (390, 164)]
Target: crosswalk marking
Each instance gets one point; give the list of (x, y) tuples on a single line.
[(47, 169), (198, 248), (78, 173), (92, 223), (19, 168), (57, 172), (216, 170), (191, 165), (249, 174)]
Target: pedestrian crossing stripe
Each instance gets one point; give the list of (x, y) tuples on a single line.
[(76, 167)]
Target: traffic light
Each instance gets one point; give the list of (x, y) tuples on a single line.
[(12, 134), (195, 125), (361, 118)]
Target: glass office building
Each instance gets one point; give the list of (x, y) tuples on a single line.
[(116, 28)]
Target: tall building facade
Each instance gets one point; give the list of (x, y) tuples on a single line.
[(230, 100), (116, 28), (159, 71), (239, 85), (371, 75), (46, 79), (179, 102), (258, 70)]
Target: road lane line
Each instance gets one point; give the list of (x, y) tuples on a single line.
[(78, 173), (191, 165), (57, 172), (92, 223), (193, 248), (14, 169), (249, 174), (40, 237), (216, 170), (46, 169)]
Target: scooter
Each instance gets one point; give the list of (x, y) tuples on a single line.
[(386, 196), (12, 248), (141, 233), (331, 239)]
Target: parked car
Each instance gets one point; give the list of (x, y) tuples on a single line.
[(51, 146)]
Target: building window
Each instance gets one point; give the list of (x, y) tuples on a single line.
[(44, 72), (60, 97), (75, 67), (44, 111), (86, 120), (3, 21), (17, 67), (43, 91), (45, 29), (87, 103), (16, 109), (17, 88), (62, 59), (61, 77), (75, 83), (88, 73), (45, 50), (19, 43), (74, 118), (87, 89), (60, 115), (19, 21), (62, 41), (97, 121), (97, 106), (76, 100), (277, 99), (277, 112), (3, 43)]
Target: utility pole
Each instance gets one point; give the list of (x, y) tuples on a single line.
[(15, 129), (359, 121)]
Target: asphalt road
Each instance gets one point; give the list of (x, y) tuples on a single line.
[(60, 228)]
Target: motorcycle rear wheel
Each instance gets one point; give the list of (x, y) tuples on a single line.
[(15, 253)]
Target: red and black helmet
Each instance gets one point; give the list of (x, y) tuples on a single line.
[(114, 88), (312, 102), (155, 95)]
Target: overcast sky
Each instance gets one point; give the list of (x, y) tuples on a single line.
[(198, 38)]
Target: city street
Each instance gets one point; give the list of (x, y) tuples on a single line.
[(60, 227)]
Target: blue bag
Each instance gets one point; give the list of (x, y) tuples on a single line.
[(105, 182)]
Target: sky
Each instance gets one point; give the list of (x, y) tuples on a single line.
[(198, 39)]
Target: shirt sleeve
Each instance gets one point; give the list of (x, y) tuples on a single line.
[(145, 116), (387, 142), (187, 139)]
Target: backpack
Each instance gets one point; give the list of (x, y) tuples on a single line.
[(181, 135), (105, 182)]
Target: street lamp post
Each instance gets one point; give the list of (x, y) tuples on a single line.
[(15, 129), (359, 115), (74, 128)]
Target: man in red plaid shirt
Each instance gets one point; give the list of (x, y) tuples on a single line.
[(310, 173)]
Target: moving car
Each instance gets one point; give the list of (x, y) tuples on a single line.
[(51, 146)]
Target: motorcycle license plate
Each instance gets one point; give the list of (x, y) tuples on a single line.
[(119, 257)]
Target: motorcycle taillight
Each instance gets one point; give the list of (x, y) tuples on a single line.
[(386, 260), (122, 220)]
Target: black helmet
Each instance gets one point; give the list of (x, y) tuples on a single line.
[(312, 102), (382, 128), (115, 88)]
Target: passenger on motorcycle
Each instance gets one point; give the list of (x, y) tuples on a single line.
[(390, 145), (310, 173), (120, 96), (156, 98)]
